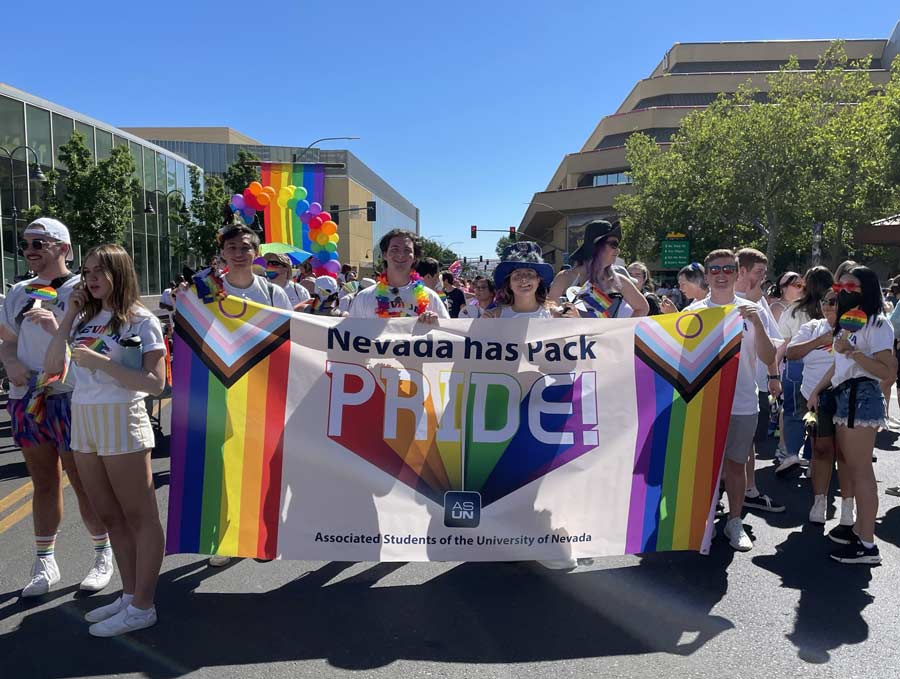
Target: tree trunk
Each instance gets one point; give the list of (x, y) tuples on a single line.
[(771, 241)]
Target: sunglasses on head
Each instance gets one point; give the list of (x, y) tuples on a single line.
[(34, 244), (721, 268), (845, 287)]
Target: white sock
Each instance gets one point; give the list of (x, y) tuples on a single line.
[(821, 498), (847, 506), (751, 492), (867, 545), (127, 598), (134, 610)]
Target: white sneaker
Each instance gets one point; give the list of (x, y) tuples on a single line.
[(560, 564), (44, 575), (780, 453), (737, 538), (217, 560), (817, 513), (100, 574), (105, 612), (129, 619), (787, 464)]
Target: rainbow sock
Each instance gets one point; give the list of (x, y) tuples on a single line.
[(101, 542), (45, 546)]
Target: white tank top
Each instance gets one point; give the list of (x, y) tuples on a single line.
[(542, 312)]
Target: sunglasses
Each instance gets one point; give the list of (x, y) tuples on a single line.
[(838, 288), (723, 268), (614, 244), (35, 244), (272, 262), (831, 301)]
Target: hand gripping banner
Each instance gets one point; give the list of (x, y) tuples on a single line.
[(305, 437)]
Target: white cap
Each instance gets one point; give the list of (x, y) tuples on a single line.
[(366, 283), (327, 285), (51, 228)]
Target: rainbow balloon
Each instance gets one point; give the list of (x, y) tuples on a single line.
[(45, 293), (853, 320)]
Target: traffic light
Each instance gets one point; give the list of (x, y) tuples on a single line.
[(480, 259), (512, 233), (465, 261), (333, 210), (370, 211), (474, 231)]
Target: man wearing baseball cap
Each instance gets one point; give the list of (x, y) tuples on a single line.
[(28, 322)]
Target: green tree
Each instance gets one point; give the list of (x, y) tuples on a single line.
[(95, 200), (241, 172), (744, 172), (505, 241), (207, 213), (432, 248)]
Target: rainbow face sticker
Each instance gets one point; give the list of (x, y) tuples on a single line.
[(853, 320), (41, 293), (272, 271)]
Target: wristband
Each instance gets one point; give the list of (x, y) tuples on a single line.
[(775, 377)]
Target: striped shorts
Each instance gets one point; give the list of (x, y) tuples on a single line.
[(55, 428), (111, 428)]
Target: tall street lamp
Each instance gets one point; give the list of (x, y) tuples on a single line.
[(183, 211), (298, 157), (37, 174)]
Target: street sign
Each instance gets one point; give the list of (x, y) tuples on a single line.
[(675, 252)]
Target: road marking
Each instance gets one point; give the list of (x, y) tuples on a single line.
[(12, 519), (15, 496)]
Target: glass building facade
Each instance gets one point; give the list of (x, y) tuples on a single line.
[(26, 120)]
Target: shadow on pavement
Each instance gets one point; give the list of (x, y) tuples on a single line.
[(474, 613), (832, 595)]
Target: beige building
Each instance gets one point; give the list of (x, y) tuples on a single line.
[(689, 77), (349, 184)]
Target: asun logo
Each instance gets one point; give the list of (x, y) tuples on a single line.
[(462, 509)]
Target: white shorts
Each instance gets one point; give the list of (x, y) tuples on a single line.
[(111, 428)]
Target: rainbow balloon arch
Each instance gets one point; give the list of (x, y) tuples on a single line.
[(289, 196)]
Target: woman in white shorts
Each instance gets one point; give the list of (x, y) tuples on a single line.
[(118, 357)]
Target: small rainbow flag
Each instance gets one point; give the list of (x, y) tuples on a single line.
[(228, 412), (41, 293), (853, 320), (596, 301), (97, 344)]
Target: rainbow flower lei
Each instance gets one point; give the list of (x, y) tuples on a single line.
[(384, 302)]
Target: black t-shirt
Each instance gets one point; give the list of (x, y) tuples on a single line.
[(456, 300)]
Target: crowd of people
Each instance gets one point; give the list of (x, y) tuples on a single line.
[(82, 354)]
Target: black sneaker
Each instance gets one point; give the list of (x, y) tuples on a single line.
[(857, 553), (763, 503), (843, 535)]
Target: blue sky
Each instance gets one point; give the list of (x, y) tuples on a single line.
[(466, 108)]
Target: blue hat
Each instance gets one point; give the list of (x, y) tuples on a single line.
[(522, 255)]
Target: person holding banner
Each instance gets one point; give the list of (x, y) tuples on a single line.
[(239, 245), (399, 291), (118, 358), (756, 345), (483, 301), (607, 293), (863, 356), (523, 279)]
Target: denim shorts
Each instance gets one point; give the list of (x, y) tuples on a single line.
[(867, 408)]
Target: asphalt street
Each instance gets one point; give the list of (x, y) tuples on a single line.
[(783, 609)]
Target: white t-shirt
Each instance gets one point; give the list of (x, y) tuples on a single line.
[(296, 293), (542, 312), (34, 340), (746, 396), (762, 370), (472, 310), (259, 292), (817, 362), (789, 323), (870, 340), (97, 386), (366, 306), (166, 297)]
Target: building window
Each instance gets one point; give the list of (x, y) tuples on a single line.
[(104, 144), (611, 178), (87, 131), (39, 138)]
